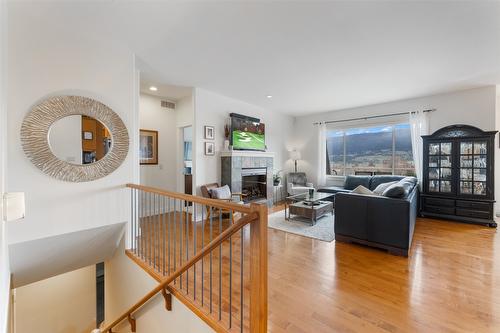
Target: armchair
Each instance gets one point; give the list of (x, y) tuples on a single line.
[(297, 183), (206, 192)]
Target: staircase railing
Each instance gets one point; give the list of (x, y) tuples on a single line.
[(210, 254)]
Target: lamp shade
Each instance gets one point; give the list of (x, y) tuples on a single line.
[(14, 208), (295, 155)]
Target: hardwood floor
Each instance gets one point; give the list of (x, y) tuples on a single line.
[(449, 283)]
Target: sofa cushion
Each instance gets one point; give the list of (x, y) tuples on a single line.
[(377, 180), (362, 190), (379, 190), (351, 182), (223, 192), (333, 189), (400, 189)]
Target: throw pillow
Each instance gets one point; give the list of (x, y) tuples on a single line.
[(360, 189), (394, 191), (221, 193), (379, 190)]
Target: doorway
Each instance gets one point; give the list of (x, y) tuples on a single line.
[(187, 158)]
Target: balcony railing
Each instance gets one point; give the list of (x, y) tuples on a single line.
[(210, 254)]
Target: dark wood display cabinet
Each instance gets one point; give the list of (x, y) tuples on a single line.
[(458, 175)]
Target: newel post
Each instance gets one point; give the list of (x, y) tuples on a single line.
[(258, 270)]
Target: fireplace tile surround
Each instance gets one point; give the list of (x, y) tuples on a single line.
[(234, 162)]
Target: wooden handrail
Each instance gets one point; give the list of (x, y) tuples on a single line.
[(252, 216), (200, 200)]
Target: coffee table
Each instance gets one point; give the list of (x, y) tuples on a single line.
[(311, 207)]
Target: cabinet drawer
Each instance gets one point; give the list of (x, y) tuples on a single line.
[(440, 210), (473, 213), (439, 202), (483, 206)]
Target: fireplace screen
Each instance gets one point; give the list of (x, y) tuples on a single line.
[(254, 184)]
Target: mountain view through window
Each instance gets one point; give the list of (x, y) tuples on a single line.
[(379, 150)]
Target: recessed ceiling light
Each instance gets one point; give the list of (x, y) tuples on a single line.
[(269, 96), (153, 88)]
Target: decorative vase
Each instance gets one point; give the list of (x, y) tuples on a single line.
[(226, 144)]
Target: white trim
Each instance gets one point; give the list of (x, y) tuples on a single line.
[(246, 153)]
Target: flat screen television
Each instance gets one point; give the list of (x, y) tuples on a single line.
[(247, 133)]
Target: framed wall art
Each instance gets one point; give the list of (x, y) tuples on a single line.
[(209, 132), (209, 148), (148, 146)]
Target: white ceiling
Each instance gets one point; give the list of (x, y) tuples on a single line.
[(167, 91), (311, 56)]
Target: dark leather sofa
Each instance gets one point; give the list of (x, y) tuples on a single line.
[(378, 221)]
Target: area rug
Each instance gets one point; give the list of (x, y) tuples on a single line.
[(322, 230)]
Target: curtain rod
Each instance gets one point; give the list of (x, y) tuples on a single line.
[(370, 117)]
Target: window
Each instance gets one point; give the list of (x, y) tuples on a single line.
[(378, 150)]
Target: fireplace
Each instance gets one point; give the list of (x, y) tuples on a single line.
[(254, 184), (249, 172)]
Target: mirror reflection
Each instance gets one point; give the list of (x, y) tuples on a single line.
[(79, 139)]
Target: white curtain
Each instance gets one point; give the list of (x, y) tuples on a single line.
[(321, 171), (419, 125)]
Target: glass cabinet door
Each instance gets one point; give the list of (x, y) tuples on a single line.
[(473, 167), (440, 167)]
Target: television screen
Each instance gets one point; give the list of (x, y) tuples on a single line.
[(247, 134)]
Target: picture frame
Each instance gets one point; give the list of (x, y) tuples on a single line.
[(209, 148), (209, 132), (148, 147), (87, 135)]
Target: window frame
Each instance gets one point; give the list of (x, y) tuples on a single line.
[(400, 120)]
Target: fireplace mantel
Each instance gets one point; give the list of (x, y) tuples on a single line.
[(246, 153)]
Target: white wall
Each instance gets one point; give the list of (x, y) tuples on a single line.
[(65, 139), (152, 318), (154, 117), (49, 56), (4, 257), (62, 304), (212, 109), (474, 107)]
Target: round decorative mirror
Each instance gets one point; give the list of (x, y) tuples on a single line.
[(79, 139), (74, 138)]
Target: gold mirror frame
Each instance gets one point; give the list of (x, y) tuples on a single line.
[(35, 138)]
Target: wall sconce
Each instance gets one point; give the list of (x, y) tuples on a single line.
[(14, 206)]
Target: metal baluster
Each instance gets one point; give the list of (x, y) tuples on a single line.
[(194, 248), (211, 229), (202, 259), (150, 205), (181, 227), (136, 217), (175, 236), (163, 233), (158, 236), (141, 223), (168, 235), (155, 231), (230, 272), (187, 245), (241, 279), (220, 265), (132, 219)]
